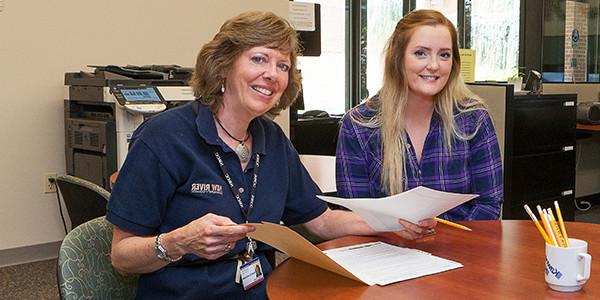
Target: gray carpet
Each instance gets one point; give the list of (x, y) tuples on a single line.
[(29, 281), (591, 215)]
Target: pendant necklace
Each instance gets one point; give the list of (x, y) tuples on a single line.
[(241, 149)]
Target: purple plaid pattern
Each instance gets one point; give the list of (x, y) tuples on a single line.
[(472, 166)]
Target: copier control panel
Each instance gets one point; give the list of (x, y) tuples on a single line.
[(139, 99)]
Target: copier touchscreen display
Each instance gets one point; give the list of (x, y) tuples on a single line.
[(139, 95), (144, 95)]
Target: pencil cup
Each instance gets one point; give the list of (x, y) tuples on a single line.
[(567, 269)]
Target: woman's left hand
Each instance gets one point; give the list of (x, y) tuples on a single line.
[(413, 231)]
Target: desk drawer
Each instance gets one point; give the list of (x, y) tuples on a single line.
[(517, 212), (543, 125), (534, 177)]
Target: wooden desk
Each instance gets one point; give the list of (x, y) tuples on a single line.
[(502, 260), (588, 128), (113, 178)]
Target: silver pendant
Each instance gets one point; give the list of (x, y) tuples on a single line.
[(250, 247), (242, 152)]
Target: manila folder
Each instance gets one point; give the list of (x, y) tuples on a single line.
[(294, 245)]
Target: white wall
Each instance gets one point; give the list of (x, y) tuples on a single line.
[(41, 40)]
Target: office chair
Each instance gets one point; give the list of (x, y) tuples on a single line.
[(321, 169), (84, 200), (84, 266)]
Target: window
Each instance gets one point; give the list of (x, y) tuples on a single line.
[(324, 76), (382, 16), (571, 39), (494, 34), (348, 71), (448, 7), (478, 21)]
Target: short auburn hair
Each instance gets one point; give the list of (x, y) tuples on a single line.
[(238, 34)]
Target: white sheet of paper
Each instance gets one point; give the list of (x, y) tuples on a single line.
[(414, 205), (302, 16), (380, 263)]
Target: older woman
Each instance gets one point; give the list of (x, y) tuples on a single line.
[(196, 174), (424, 127)]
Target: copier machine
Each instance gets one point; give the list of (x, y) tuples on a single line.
[(102, 109)]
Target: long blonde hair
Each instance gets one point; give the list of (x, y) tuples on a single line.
[(389, 110)]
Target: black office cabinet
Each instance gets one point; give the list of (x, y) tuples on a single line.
[(316, 136), (539, 154)]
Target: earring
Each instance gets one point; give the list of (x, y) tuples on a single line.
[(223, 87)]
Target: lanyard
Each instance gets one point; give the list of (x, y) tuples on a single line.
[(235, 191)]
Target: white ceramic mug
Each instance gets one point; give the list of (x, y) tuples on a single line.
[(567, 269)]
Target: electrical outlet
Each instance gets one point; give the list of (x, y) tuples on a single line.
[(49, 186)]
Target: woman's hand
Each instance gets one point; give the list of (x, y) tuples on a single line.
[(413, 231), (210, 236)]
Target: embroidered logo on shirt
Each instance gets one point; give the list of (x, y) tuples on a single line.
[(207, 188)]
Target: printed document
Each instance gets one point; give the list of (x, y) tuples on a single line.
[(414, 205), (369, 263), (380, 263)]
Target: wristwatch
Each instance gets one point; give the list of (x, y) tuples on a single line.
[(161, 252)]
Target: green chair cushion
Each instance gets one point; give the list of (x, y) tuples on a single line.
[(84, 265)]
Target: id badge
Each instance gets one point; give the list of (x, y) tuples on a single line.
[(251, 273)]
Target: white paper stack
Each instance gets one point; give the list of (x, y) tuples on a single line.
[(380, 263)]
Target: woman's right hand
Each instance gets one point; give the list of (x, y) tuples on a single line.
[(210, 236), (207, 237)]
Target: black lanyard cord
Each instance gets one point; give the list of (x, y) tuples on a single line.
[(235, 191)]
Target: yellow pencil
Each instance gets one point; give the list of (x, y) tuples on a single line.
[(552, 229), (543, 219), (455, 225), (556, 230), (546, 219), (537, 224), (561, 223)]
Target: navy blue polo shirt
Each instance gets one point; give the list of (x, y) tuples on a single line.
[(171, 177)]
